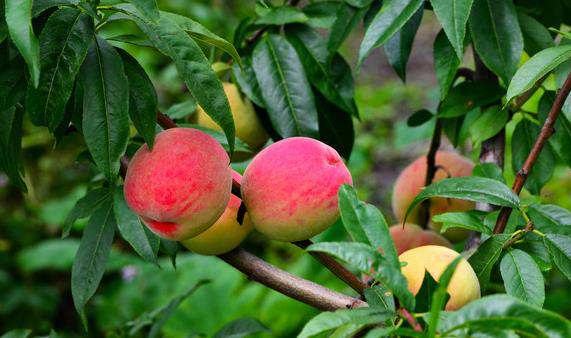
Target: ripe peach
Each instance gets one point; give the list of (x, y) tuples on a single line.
[(464, 286), (411, 181), (248, 126), (411, 236), (290, 188), (226, 234), (181, 187)]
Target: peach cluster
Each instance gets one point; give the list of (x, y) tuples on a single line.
[(182, 190)]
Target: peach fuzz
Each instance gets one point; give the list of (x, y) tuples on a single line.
[(226, 234), (411, 236), (181, 187), (411, 181), (464, 286), (290, 188)]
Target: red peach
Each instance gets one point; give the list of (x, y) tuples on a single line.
[(181, 187), (290, 188), (411, 181), (411, 236), (226, 234)]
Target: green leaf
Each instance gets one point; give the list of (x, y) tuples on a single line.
[(506, 313), (471, 188), (143, 98), (193, 66), (496, 36), (13, 83), (379, 297), (490, 122), (284, 86), (489, 170), (399, 46), (91, 257), (240, 145), (148, 8), (466, 220), (390, 275), (282, 15), (19, 333), (446, 63), (19, 20), (424, 296), (486, 256), (359, 255), (535, 68), (39, 6), (327, 321), (312, 52), (11, 120), (322, 14), (348, 17), (393, 15), (419, 118), (133, 39), (64, 42), (535, 36), (359, 3), (469, 95), (246, 79), (335, 126), (522, 277), (84, 207), (131, 228), (549, 216), (365, 223), (200, 33), (453, 16), (170, 248), (441, 296), (559, 246), (105, 109), (239, 328), (523, 139)]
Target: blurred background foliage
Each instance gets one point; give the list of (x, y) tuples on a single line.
[(35, 264)]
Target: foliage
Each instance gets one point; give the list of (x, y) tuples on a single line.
[(90, 76)]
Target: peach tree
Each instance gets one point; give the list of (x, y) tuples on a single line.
[(503, 74)]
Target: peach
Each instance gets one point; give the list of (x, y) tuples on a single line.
[(226, 234), (411, 181), (181, 187), (290, 188), (248, 126), (464, 286), (411, 236)]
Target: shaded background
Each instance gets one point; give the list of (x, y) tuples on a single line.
[(35, 265)]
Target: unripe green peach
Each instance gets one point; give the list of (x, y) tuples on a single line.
[(226, 234), (290, 188), (463, 287), (248, 126), (181, 187), (411, 236), (411, 181)]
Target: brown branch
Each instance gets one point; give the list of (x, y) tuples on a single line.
[(492, 150), (410, 319), (430, 170), (292, 286), (336, 268), (542, 138), (165, 121)]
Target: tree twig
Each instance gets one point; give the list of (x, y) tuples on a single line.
[(542, 138), (528, 228), (410, 319), (522, 99), (292, 286), (430, 171), (336, 268)]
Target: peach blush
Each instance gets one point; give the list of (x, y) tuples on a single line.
[(182, 186)]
